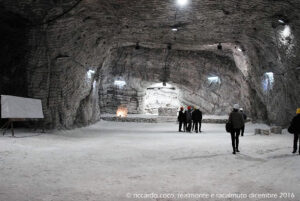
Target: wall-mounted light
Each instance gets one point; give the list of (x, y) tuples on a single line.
[(286, 31), (90, 73), (119, 83), (214, 79), (182, 2), (219, 46), (268, 81), (163, 85), (137, 46)]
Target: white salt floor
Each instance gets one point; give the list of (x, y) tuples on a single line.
[(114, 161)]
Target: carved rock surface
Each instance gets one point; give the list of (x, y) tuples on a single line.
[(68, 54)]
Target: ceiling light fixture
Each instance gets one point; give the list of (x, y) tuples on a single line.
[(219, 46), (174, 29), (182, 2), (137, 46)]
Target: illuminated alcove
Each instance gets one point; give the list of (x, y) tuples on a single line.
[(159, 95)]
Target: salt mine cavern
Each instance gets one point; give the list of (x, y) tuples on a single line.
[(149, 100)]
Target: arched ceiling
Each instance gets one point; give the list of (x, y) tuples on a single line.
[(201, 22)]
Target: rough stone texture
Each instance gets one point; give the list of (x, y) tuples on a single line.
[(128, 119), (276, 130), (265, 132), (51, 45), (161, 97), (188, 71), (257, 131), (167, 111)]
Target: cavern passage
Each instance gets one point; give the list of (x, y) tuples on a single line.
[(70, 53), (141, 98)]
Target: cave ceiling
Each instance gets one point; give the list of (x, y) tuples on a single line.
[(201, 22)]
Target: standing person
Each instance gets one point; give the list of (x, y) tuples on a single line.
[(295, 129), (193, 120), (237, 122), (200, 120), (245, 118), (197, 118), (181, 119), (188, 118)]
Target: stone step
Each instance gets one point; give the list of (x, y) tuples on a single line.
[(158, 119)]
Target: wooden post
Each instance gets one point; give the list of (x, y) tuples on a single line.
[(5, 127), (12, 128)]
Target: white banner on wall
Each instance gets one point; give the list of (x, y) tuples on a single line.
[(18, 107)]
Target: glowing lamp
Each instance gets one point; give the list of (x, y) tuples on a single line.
[(182, 2)]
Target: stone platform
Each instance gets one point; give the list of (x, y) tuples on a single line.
[(159, 119)]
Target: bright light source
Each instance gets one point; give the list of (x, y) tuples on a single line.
[(214, 79), (287, 39), (268, 81), (89, 73), (161, 85), (239, 49), (287, 31), (281, 21), (174, 29), (182, 2), (120, 83), (122, 111), (270, 76)]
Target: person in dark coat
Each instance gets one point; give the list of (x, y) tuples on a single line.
[(197, 118), (193, 121), (295, 129), (237, 121), (245, 118), (181, 119), (188, 115)]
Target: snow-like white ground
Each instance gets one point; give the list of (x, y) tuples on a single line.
[(114, 161)]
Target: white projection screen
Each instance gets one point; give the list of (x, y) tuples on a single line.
[(18, 107)]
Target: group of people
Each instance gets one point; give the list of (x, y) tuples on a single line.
[(189, 120)]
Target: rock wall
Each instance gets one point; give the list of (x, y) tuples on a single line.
[(68, 53), (187, 70), (14, 50)]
